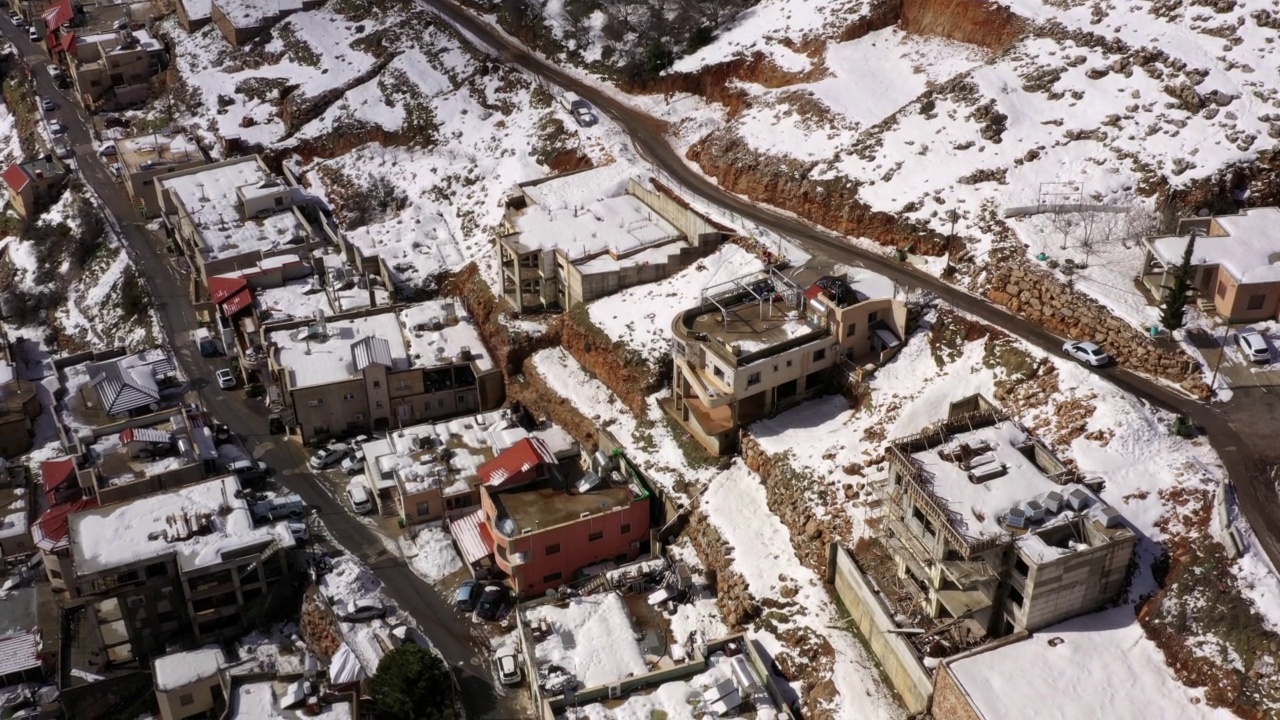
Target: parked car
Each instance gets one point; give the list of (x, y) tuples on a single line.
[(490, 602), (1087, 353), (62, 150), (1253, 345), (299, 530), (46, 104), (353, 463), (108, 150), (17, 20), (508, 668), (249, 471), (280, 508), (55, 72), (357, 441), (465, 597), (327, 456), (359, 498), (56, 127), (584, 116), (33, 34), (226, 379), (361, 610)]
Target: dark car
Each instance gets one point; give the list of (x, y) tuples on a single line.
[(465, 598), (490, 602)]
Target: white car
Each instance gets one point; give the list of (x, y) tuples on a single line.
[(46, 104), (33, 34), (1087, 353), (1253, 345), (353, 463), (299, 530), (359, 499), (584, 116), (361, 610), (226, 379), (327, 456), (56, 127), (108, 150), (508, 668)]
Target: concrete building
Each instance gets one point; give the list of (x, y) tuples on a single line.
[(32, 185), (989, 529), (542, 521), (1236, 263), (362, 371), (111, 69), (168, 451), (19, 407), (230, 215), (194, 14), (241, 21), (189, 684), (142, 159), (759, 344), (186, 564), (571, 239)]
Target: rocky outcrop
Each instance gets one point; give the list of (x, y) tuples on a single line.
[(1039, 296), (318, 624), (733, 599), (975, 22), (623, 372)]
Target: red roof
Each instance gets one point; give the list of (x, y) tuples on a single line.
[(59, 14), (471, 535), (237, 302), (55, 473), (222, 287), (16, 178), (814, 292), (68, 39), (516, 464), (51, 530)]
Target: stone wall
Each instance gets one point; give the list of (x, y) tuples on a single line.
[(949, 699), (1039, 296)]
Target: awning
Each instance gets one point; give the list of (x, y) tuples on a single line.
[(471, 536), (237, 302), (887, 337)]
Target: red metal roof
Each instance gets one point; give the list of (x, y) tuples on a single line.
[(471, 535), (50, 532), (222, 287), (516, 464), (59, 14), (68, 39), (237, 302), (55, 473), (16, 178), (813, 292)]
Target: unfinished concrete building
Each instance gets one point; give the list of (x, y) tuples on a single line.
[(991, 532)]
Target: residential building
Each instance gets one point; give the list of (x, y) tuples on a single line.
[(542, 521), (422, 472), (186, 564), (127, 386), (111, 69), (189, 684), (231, 215), (362, 370), (145, 157), (1235, 263), (570, 239), (992, 532), (63, 496), (24, 657), (19, 407), (15, 525), (194, 14), (241, 21), (761, 343), (32, 185), (169, 451)]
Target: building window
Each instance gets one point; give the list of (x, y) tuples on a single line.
[(403, 384), (156, 570), (148, 183), (1256, 301), (553, 577), (820, 355), (850, 329), (279, 202), (753, 379), (424, 508), (1015, 597), (377, 403), (788, 363), (626, 528), (358, 417), (873, 316), (553, 549), (1222, 288), (595, 536), (377, 383), (348, 396), (440, 403), (1020, 566), (186, 699), (715, 370)]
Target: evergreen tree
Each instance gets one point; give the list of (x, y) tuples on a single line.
[(1174, 310), (411, 684)]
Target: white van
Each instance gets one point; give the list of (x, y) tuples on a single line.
[(278, 508), (360, 500)]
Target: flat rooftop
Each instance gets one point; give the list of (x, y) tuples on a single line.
[(749, 326), (112, 459), (13, 512), (541, 505), (262, 700), (456, 333), (1250, 251), (321, 361), (180, 669), (592, 637), (156, 151), (250, 13), (145, 41), (212, 200), (204, 521), (296, 299)]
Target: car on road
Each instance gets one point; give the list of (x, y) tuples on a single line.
[(361, 610), (299, 530), (464, 598), (63, 151), (584, 116), (280, 508), (55, 72), (47, 105), (359, 498), (1087, 353), (56, 127), (353, 463), (17, 20), (327, 456), (1253, 345), (249, 471), (508, 668), (107, 150), (226, 378), (33, 34), (490, 603)]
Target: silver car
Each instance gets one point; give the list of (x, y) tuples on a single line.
[(1087, 353)]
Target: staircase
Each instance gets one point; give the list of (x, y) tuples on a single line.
[(1206, 305), (599, 583), (140, 206)]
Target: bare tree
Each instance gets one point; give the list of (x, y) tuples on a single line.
[(1063, 222), (1137, 224), (1097, 230)]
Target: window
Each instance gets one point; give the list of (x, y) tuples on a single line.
[(156, 570), (377, 403), (553, 549), (873, 316), (279, 202), (348, 396), (403, 384), (850, 329), (753, 379), (1222, 288), (377, 383), (358, 417), (1256, 301), (595, 536), (553, 577), (1020, 566), (820, 355), (424, 508), (186, 699), (54, 574), (775, 367), (715, 370), (788, 363), (148, 182), (626, 528), (440, 403), (1015, 597), (315, 402)]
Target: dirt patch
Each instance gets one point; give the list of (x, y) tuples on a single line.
[(975, 22)]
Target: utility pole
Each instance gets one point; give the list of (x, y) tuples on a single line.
[(1222, 351)]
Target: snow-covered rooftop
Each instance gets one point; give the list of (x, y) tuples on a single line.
[(14, 521), (1250, 251), (211, 200), (145, 41), (261, 701), (250, 13), (297, 299), (591, 637), (180, 669), (174, 149), (133, 531), (198, 9), (317, 361), (589, 215), (431, 347)]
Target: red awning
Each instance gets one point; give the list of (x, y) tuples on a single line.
[(55, 473), (237, 302), (68, 39), (222, 287)]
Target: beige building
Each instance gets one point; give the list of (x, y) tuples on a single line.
[(570, 239), (19, 407), (240, 21), (1236, 261), (144, 158), (759, 344), (111, 70), (231, 215), (378, 369), (189, 684), (32, 185)]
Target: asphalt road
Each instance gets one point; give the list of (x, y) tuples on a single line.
[(448, 630), (1255, 490)]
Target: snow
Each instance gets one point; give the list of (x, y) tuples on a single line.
[(134, 531), (1250, 251), (670, 700), (591, 637), (292, 300), (318, 362), (427, 346), (177, 670), (435, 558), (641, 316), (252, 13), (261, 701), (1094, 671)]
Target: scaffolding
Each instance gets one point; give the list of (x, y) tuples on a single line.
[(765, 287)]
